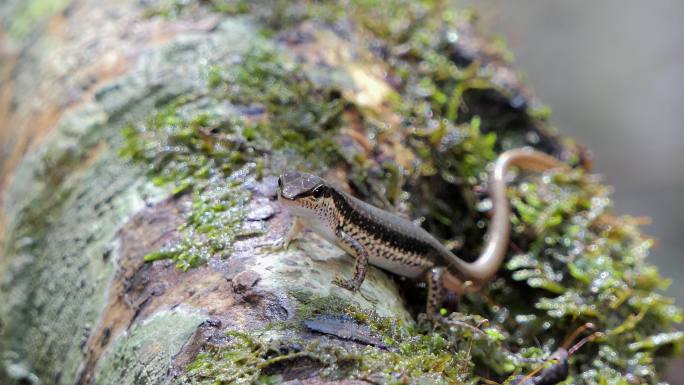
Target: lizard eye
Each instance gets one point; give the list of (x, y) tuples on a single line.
[(318, 192)]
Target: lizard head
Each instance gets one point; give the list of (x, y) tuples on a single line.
[(302, 193)]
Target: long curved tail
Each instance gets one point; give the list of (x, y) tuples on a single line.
[(494, 251)]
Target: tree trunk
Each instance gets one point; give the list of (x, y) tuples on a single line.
[(140, 145)]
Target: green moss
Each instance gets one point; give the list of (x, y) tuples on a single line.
[(209, 142), (415, 353), (238, 362), (310, 305), (302, 116), (581, 265), (178, 148)]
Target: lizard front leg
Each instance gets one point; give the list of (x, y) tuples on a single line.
[(361, 266), (295, 230)]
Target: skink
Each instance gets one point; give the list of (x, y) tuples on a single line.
[(380, 238)]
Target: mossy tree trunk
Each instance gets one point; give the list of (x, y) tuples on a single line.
[(140, 144)]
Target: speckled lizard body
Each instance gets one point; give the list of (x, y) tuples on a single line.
[(374, 236)]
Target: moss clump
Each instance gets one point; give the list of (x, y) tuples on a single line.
[(179, 148), (583, 264), (310, 306), (414, 353), (240, 361), (213, 141), (298, 114)]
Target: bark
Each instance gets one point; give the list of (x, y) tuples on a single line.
[(79, 303)]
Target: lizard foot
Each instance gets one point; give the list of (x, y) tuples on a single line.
[(348, 284), (280, 245)]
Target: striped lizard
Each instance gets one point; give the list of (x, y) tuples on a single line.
[(380, 238)]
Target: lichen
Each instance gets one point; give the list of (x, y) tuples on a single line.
[(48, 305), (141, 355)]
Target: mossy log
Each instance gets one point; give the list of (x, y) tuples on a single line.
[(139, 147)]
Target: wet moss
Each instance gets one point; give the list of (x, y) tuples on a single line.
[(212, 142), (179, 150), (310, 305), (415, 352), (299, 115), (583, 264)]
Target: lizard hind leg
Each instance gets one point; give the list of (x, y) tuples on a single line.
[(439, 280), (436, 293)]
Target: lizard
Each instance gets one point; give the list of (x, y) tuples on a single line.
[(383, 239)]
